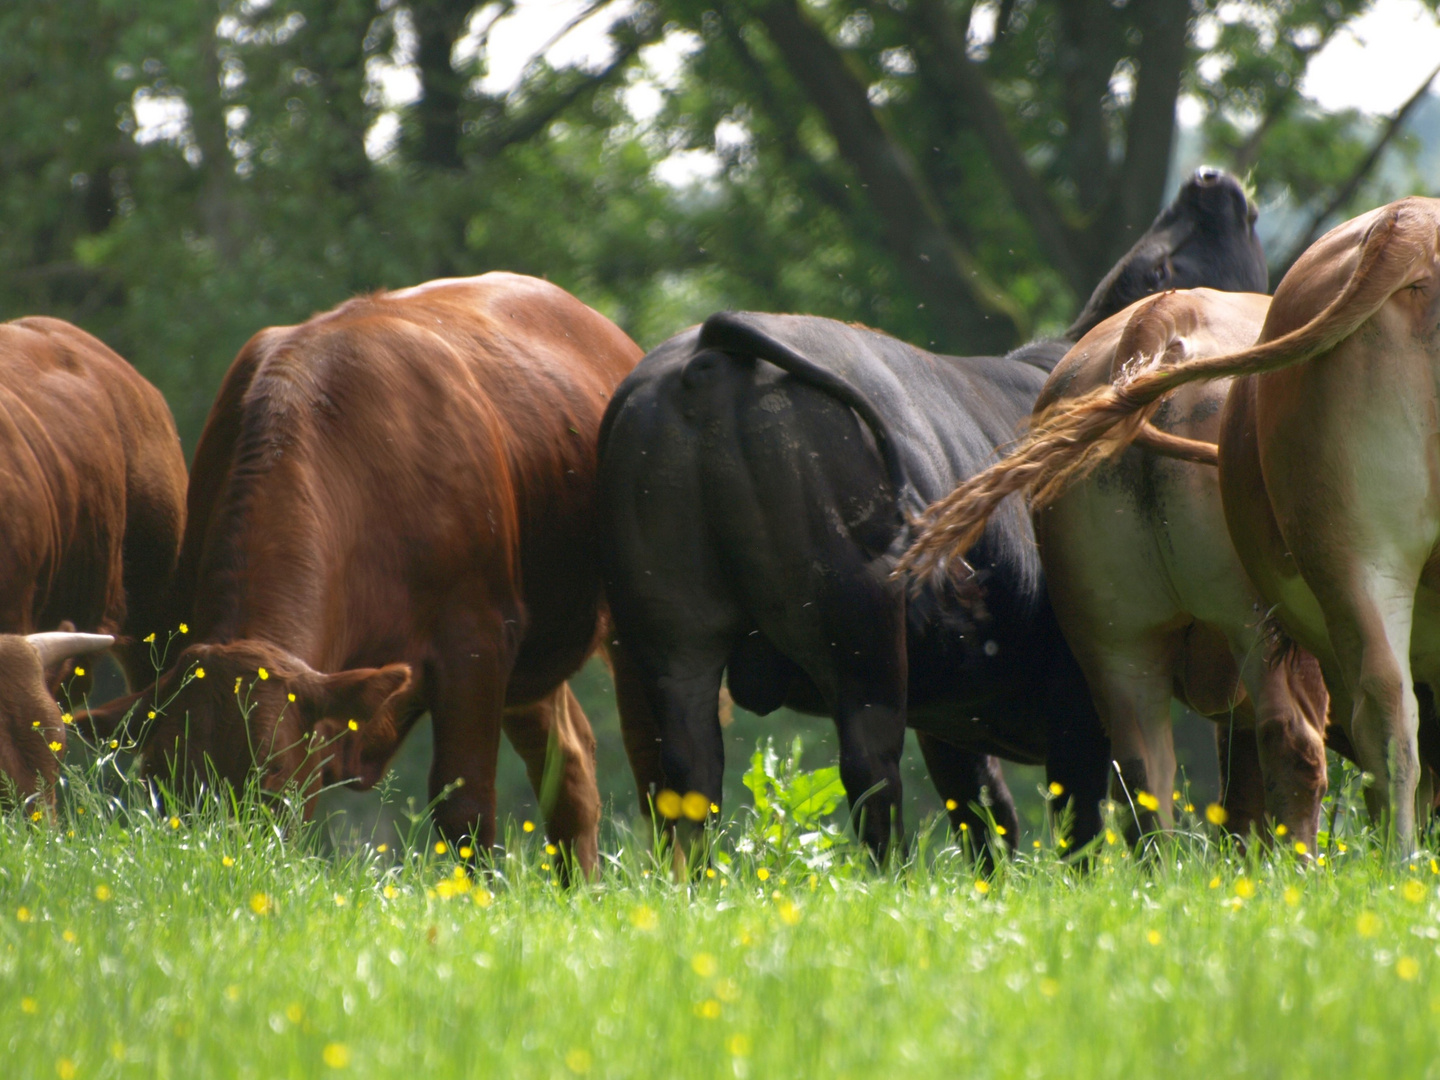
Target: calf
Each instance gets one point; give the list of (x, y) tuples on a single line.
[(392, 511), (93, 484)]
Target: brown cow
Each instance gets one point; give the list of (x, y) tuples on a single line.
[(399, 493), (1329, 473), (93, 484), (1151, 595)]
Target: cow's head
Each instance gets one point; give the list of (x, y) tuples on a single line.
[(223, 710), (32, 734), (1205, 238)]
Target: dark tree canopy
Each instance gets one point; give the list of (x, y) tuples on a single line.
[(175, 174)]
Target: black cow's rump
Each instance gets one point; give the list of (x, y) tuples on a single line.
[(757, 474)]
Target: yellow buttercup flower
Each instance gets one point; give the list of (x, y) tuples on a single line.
[(1301, 847), (29, 1005), (263, 674), (1408, 968), (709, 1009), (65, 1069), (951, 805), (763, 874), (1281, 830), (1244, 888), (103, 893), (669, 804), (551, 849), (1049, 987), (352, 725), (67, 718), (149, 639), (69, 936), (260, 904), (184, 628), (704, 965), (1056, 789), (174, 823), (789, 913), (1153, 937), (23, 915), (982, 886), (335, 1055), (1147, 801), (1216, 814), (55, 748), (226, 860), (199, 672), (578, 1061), (466, 852), (695, 806), (79, 671), (644, 918), (441, 847), (738, 1045), (1367, 924), (36, 815), (1413, 891), (527, 826)]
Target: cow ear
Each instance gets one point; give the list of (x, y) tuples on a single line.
[(103, 721), (360, 694)]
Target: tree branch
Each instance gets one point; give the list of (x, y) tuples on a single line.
[(962, 79), (969, 311), (1150, 128), (1347, 190)]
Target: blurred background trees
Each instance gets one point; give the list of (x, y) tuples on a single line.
[(176, 174)]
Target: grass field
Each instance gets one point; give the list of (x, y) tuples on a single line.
[(223, 944)]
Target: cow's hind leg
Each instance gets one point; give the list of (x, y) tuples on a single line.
[(965, 780), (554, 739), (467, 702)]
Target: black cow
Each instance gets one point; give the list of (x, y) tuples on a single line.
[(757, 474)]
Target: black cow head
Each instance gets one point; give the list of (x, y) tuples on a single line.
[(1206, 237)]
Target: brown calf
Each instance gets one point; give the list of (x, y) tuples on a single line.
[(92, 482), (400, 493)]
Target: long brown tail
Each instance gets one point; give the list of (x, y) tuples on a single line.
[(1071, 437)]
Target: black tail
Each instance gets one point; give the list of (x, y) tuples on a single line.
[(727, 332)]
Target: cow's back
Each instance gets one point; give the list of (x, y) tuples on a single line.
[(94, 482), (397, 456)]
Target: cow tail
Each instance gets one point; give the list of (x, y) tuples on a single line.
[(1071, 437), (726, 333)]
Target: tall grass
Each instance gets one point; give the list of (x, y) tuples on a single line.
[(221, 942)]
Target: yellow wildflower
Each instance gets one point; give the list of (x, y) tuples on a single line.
[(1408, 968), (1367, 924), (1216, 814), (102, 893), (1281, 830), (482, 897), (69, 937), (1110, 837), (710, 872), (294, 1012), (1153, 937), (340, 900), (695, 806), (1292, 895), (551, 849), (1413, 891), (1244, 888), (149, 639), (65, 1069), (763, 874), (28, 1005), (232, 992), (1049, 987), (23, 915), (336, 1055), (199, 672), (982, 886), (55, 748), (577, 1061), (669, 804), (738, 1045), (441, 847), (704, 965), (1147, 801), (382, 848), (67, 718), (714, 808), (789, 913), (1056, 789), (263, 674), (709, 1009), (290, 697), (644, 918), (999, 830), (174, 823), (184, 629), (528, 826), (1301, 847), (260, 904), (390, 892), (352, 725), (79, 671), (227, 860)]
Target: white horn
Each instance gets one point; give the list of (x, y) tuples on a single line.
[(57, 645)]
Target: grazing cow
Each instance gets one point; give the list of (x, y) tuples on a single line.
[(1151, 594), (392, 510), (93, 485), (755, 477), (1328, 458)]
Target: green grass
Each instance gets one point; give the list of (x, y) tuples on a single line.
[(130, 947)]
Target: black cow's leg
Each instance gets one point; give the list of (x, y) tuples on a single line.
[(966, 779), (1078, 759), (870, 675), (692, 754)]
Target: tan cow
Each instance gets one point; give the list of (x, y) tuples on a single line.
[(1152, 597), (92, 482), (1330, 471)]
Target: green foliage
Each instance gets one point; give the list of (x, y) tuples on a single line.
[(220, 942)]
